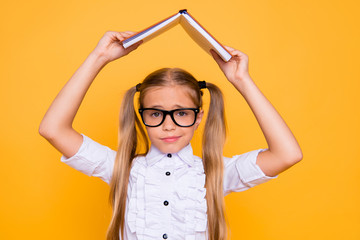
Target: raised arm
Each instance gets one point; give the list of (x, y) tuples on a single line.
[(56, 126), (283, 149)]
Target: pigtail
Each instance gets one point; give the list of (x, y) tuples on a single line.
[(212, 153), (127, 151)]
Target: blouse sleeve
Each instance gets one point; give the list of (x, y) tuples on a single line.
[(93, 159), (241, 172)]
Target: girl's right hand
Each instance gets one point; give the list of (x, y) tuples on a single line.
[(110, 47)]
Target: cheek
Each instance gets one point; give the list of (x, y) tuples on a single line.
[(150, 132), (189, 132)]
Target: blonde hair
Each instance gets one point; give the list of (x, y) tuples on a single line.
[(131, 133)]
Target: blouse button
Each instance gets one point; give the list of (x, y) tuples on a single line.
[(165, 236), (169, 155), (167, 173), (166, 203)]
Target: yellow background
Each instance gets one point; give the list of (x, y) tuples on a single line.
[(304, 56)]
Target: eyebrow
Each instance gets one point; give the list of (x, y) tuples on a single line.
[(174, 107)]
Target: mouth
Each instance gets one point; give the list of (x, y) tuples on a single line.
[(170, 139)]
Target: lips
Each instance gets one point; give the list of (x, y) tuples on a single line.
[(170, 139)]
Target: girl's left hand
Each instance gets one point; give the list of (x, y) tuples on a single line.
[(236, 69)]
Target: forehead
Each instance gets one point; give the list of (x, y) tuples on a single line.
[(168, 97)]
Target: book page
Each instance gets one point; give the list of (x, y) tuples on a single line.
[(152, 31), (202, 37)]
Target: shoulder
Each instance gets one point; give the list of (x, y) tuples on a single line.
[(244, 158), (198, 162), (241, 172), (93, 159), (139, 160)]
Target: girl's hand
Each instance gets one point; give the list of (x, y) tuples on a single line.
[(283, 149), (110, 47), (236, 69)]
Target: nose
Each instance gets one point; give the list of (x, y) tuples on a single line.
[(168, 124)]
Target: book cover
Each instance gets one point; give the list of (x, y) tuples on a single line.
[(198, 33)]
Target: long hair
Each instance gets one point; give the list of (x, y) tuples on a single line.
[(131, 133)]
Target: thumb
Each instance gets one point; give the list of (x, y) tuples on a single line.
[(217, 58)]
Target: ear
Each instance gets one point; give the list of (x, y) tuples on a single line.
[(199, 118)]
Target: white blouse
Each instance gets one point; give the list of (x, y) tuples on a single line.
[(166, 194)]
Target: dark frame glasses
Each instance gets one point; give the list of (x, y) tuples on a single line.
[(171, 113)]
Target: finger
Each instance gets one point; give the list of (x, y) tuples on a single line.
[(133, 47), (120, 36), (234, 51), (229, 48), (126, 35), (217, 58), (129, 32)]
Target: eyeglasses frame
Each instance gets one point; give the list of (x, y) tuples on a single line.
[(171, 113)]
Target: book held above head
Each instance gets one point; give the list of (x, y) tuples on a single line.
[(191, 26)]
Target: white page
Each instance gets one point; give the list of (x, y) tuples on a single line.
[(153, 31)]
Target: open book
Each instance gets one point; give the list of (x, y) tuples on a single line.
[(191, 26)]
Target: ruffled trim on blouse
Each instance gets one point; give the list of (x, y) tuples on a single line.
[(187, 204)]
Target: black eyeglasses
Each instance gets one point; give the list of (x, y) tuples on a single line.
[(183, 117)]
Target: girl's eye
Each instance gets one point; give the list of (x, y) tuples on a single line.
[(156, 114), (182, 114)]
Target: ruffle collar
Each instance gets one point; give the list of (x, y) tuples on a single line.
[(155, 155)]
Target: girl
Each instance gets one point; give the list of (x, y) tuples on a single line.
[(163, 193)]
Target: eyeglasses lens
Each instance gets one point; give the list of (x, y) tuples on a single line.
[(182, 117)]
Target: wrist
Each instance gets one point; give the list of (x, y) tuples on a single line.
[(99, 57), (241, 83)]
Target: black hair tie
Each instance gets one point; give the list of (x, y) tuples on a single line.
[(138, 87), (202, 84)]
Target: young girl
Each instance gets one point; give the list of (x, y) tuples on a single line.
[(163, 193)]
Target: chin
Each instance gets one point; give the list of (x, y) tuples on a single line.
[(170, 148)]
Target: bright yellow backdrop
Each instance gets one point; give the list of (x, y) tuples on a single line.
[(304, 56)]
